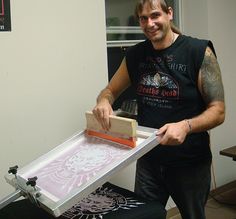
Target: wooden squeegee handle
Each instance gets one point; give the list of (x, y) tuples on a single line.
[(121, 125)]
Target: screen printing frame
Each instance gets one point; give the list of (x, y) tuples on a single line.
[(147, 140)]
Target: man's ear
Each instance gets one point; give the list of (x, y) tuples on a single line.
[(170, 13)]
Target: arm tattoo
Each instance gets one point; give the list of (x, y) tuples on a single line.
[(211, 81)]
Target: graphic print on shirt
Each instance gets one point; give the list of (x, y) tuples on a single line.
[(156, 86), (99, 203)]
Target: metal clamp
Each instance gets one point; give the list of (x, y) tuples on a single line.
[(35, 194), (14, 195), (13, 170)]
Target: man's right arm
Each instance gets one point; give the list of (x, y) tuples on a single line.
[(119, 82)]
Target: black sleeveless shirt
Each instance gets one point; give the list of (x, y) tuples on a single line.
[(166, 85)]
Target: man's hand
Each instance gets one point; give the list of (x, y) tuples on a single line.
[(102, 111), (173, 133)]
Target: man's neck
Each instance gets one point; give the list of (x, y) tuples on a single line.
[(166, 42)]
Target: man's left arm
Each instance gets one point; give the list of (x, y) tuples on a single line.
[(211, 88)]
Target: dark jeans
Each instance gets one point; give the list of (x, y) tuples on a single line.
[(188, 186)]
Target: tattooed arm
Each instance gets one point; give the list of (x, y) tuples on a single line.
[(211, 88)]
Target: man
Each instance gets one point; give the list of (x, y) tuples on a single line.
[(180, 92)]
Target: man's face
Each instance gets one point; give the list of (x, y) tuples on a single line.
[(154, 22)]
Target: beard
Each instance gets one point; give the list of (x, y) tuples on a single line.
[(156, 35)]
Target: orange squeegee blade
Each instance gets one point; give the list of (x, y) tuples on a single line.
[(131, 142)]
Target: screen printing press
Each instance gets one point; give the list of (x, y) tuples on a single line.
[(73, 170)]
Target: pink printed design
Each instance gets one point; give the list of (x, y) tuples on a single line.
[(76, 166)]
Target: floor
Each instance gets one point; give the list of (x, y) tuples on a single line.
[(221, 204)]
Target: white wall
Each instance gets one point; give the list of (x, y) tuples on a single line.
[(194, 18), (53, 64)]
